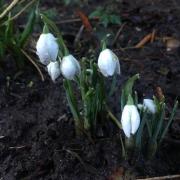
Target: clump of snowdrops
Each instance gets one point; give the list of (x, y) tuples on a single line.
[(142, 123)]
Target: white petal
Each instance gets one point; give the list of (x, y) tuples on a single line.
[(126, 121), (150, 105), (118, 69), (47, 48), (108, 63), (140, 106), (54, 70), (135, 119), (70, 67)]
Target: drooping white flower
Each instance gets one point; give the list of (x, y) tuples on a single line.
[(149, 105), (130, 120), (108, 63), (53, 70), (70, 67), (47, 48)]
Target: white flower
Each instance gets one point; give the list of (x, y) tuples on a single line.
[(130, 120), (149, 105), (70, 67), (53, 70), (140, 106), (108, 63), (47, 48)]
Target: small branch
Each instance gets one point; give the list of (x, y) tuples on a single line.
[(17, 147), (8, 8), (35, 65), (2, 137), (22, 10), (78, 36), (162, 177), (73, 20), (118, 33)]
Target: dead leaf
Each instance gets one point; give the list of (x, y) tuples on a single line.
[(172, 44), (148, 38), (159, 93), (85, 21)]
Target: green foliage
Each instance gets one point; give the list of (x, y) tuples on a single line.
[(11, 38), (105, 16), (92, 101), (128, 90), (153, 127), (51, 13)]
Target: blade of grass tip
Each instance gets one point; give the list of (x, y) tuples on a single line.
[(113, 86), (170, 120), (9, 29), (160, 123)]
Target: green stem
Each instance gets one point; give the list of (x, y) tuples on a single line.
[(114, 119)]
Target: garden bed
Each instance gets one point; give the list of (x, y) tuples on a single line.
[(37, 135)]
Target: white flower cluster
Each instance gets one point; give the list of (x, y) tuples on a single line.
[(47, 50), (130, 118), (108, 63)]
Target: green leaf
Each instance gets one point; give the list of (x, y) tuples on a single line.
[(29, 28), (160, 123), (169, 121), (127, 89)]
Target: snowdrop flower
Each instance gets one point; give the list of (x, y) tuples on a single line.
[(130, 120), (47, 48), (70, 67), (108, 63), (53, 70), (149, 105)]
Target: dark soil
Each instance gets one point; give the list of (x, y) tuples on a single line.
[(37, 137)]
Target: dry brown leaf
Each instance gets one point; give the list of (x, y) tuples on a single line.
[(85, 21), (146, 39), (159, 93), (172, 44)]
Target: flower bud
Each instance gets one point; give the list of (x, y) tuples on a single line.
[(53, 70), (108, 63), (47, 48), (70, 67), (130, 120), (149, 105)]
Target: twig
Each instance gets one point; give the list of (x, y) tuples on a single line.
[(8, 8), (73, 20), (17, 147), (118, 33), (86, 166), (35, 65), (78, 36), (162, 177), (2, 137), (22, 10)]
